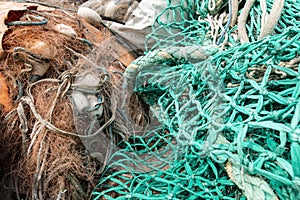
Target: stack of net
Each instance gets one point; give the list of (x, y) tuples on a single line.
[(46, 53), (226, 95)]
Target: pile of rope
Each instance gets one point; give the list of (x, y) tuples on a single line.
[(226, 92), (56, 81)]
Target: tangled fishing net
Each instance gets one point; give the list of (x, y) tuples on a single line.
[(225, 90), (54, 78), (211, 111)]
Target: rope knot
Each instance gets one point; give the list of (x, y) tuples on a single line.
[(233, 104), (295, 136), (292, 100), (264, 92), (275, 114), (270, 155)]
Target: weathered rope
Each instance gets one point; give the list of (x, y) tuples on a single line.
[(242, 19), (234, 11), (269, 21), (41, 21)]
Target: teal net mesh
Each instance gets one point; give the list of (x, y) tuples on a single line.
[(228, 109)]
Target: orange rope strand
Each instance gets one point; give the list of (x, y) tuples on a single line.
[(5, 99)]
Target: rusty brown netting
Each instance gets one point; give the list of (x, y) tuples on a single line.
[(43, 155), (44, 163)]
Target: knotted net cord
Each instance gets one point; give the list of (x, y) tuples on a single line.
[(229, 113)]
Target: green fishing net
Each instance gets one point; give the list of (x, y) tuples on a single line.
[(228, 109)]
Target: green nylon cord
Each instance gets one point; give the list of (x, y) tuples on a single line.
[(228, 114)]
